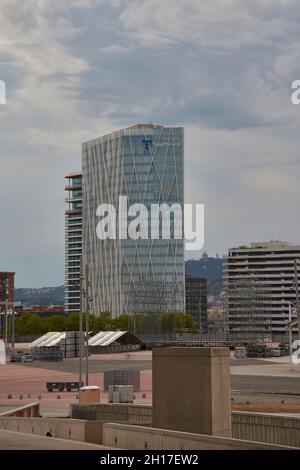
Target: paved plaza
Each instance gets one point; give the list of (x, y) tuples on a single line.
[(26, 383)]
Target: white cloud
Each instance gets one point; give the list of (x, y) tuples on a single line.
[(221, 68), (248, 181), (224, 24)]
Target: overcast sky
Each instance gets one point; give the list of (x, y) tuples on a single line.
[(77, 69)]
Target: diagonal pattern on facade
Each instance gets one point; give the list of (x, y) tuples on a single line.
[(146, 164)]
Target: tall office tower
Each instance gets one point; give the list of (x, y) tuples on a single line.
[(261, 280), (144, 163), (73, 239), (196, 300)]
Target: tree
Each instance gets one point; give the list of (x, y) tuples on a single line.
[(122, 323), (56, 323), (72, 322), (32, 324), (138, 323), (29, 324), (35, 325), (169, 322), (103, 322), (190, 324), (177, 322)]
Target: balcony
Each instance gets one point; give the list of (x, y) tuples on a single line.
[(73, 212), (70, 200), (73, 188)]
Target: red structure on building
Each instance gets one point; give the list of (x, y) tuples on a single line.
[(7, 284), (41, 310)]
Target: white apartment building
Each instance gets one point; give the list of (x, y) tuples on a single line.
[(261, 281)]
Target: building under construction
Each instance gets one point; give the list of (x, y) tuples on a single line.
[(248, 302), (196, 300), (261, 286), (150, 300), (6, 305)]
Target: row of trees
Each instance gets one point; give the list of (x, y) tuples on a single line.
[(32, 324)]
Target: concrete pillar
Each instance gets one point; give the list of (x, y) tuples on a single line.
[(191, 390)]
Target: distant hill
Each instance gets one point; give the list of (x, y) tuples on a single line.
[(43, 296), (209, 267)]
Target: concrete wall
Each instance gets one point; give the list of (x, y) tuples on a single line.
[(248, 426), (279, 430), (191, 390), (264, 398), (76, 430), (274, 429), (141, 438), (113, 412)]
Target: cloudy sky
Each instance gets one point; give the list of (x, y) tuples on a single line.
[(221, 68)]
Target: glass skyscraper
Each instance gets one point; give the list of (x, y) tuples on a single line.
[(146, 164)]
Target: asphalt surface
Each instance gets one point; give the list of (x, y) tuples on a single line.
[(94, 365), (99, 365), (249, 362), (18, 441), (242, 383), (261, 384)]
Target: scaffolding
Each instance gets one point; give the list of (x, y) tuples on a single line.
[(150, 299), (154, 297), (248, 310), (7, 312)]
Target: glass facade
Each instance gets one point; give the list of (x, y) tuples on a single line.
[(146, 164)]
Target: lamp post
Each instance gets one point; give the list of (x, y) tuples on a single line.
[(290, 333), (80, 322), (87, 325), (297, 296)]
